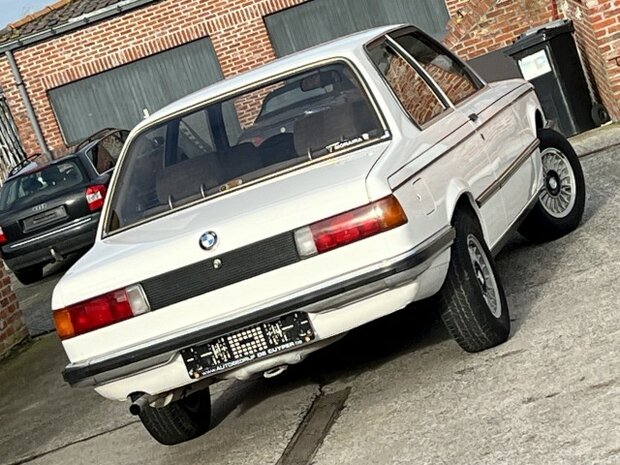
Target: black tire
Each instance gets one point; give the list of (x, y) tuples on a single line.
[(464, 310), (540, 225), (179, 421), (600, 115), (29, 275)]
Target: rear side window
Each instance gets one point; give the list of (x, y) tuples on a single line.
[(38, 186), (453, 78), (414, 94)]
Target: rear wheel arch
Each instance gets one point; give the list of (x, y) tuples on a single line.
[(539, 119), (464, 200)]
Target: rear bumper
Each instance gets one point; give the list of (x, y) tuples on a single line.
[(65, 239), (329, 296)]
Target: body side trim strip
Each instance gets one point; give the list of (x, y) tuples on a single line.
[(506, 175)]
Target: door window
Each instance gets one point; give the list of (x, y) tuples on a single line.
[(413, 92), (450, 74)]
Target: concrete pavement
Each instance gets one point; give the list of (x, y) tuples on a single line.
[(35, 300), (549, 395)]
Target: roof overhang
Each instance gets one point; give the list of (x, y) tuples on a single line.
[(74, 23)]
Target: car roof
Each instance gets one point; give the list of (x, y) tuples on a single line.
[(79, 149), (337, 48), (33, 166)]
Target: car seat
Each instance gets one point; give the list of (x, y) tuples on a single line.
[(277, 149), (52, 176)]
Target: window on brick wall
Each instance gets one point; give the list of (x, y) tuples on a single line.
[(414, 94), (449, 73)]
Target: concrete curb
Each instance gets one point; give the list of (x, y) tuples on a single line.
[(598, 140)]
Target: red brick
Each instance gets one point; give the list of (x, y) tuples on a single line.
[(12, 329)]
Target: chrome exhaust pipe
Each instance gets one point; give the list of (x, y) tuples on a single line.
[(138, 404), (275, 371)]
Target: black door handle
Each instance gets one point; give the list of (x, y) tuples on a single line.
[(473, 117)]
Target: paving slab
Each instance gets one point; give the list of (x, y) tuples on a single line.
[(43, 420), (597, 140), (549, 395), (39, 412), (35, 300)]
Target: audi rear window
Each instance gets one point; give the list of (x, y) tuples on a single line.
[(227, 145), (39, 184)]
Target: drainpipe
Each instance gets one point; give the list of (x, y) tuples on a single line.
[(27, 103)]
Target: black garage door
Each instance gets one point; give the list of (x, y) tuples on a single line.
[(320, 20), (119, 97)]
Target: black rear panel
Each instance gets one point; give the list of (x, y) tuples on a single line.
[(35, 202), (236, 265)]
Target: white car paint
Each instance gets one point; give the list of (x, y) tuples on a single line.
[(428, 170)]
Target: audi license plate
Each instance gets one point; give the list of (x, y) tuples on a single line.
[(247, 345)]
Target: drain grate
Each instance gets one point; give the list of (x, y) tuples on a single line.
[(314, 428)]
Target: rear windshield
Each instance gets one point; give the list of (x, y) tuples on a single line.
[(228, 144), (39, 185)]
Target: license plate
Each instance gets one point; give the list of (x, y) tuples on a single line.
[(248, 344), (45, 218)]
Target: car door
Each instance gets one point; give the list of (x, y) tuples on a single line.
[(498, 112), (458, 87), (500, 115)]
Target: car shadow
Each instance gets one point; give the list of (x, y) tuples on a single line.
[(361, 350), (61, 267), (410, 330)]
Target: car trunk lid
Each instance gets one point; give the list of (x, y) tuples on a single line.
[(254, 226), (54, 199)]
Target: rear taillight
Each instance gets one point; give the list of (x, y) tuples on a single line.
[(94, 197), (3, 238), (100, 311), (349, 227)]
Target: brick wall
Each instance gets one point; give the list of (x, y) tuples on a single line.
[(479, 27), (597, 25), (18, 111), (12, 328), (241, 42), (239, 38)]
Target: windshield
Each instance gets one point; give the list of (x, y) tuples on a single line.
[(224, 146), (37, 186)]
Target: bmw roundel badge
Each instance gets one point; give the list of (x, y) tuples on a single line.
[(208, 240)]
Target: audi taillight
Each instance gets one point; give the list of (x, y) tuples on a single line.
[(100, 311), (95, 196), (3, 238), (349, 227)]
